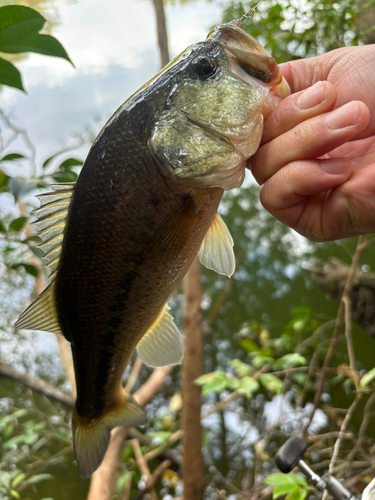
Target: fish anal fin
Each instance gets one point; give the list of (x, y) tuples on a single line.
[(162, 344), (91, 437), (41, 314), (216, 251)]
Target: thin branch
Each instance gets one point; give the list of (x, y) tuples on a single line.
[(133, 375), (361, 245), (37, 385), (152, 479), (349, 342)]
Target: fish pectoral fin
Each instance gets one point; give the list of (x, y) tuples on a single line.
[(216, 251), (162, 344), (91, 437), (41, 314)]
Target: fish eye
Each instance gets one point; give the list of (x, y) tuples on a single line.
[(204, 68)]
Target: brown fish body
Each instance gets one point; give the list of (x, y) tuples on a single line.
[(117, 267), (145, 204)]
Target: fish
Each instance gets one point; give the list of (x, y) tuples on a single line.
[(119, 240)]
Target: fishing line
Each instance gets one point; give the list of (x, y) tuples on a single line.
[(249, 13)]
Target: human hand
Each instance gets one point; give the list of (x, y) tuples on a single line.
[(316, 163)]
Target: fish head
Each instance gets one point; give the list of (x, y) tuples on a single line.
[(212, 119)]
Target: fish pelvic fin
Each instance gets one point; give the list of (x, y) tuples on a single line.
[(162, 343), (41, 314), (91, 436), (216, 251)]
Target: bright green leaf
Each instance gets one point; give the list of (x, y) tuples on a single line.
[(283, 489), (367, 378), (15, 494), (18, 479), (233, 383), (279, 479), (297, 494), (9, 75), (241, 368), (271, 383), (293, 359), (18, 224), (249, 385)]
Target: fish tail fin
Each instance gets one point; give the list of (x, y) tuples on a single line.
[(91, 435)]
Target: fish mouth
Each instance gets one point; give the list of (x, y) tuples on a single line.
[(246, 53)]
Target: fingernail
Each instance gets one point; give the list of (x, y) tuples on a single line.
[(345, 116), (311, 97), (336, 166)]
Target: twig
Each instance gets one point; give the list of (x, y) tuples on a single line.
[(343, 428), (348, 334), (152, 479), (133, 375), (362, 243), (143, 467), (37, 385)]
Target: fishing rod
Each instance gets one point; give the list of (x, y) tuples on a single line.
[(290, 455)]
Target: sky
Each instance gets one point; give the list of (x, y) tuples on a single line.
[(113, 46)]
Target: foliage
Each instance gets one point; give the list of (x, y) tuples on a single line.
[(292, 486), (19, 32), (292, 29)]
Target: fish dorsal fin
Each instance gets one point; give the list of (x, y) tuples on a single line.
[(216, 251), (41, 314), (52, 215), (162, 344)]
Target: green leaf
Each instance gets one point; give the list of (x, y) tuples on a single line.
[(248, 345), (40, 44), (70, 162), (18, 479), (17, 22), (65, 176), (249, 385), (4, 181), (271, 383), (217, 383), (241, 368), (279, 479), (9, 75), (37, 478), (297, 494), (233, 383), (15, 494), (12, 157), (367, 378), (18, 224), (283, 489), (293, 359), (162, 436), (122, 480), (29, 268)]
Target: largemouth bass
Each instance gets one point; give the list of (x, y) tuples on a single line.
[(145, 204)]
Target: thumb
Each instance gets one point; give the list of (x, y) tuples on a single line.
[(303, 73)]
